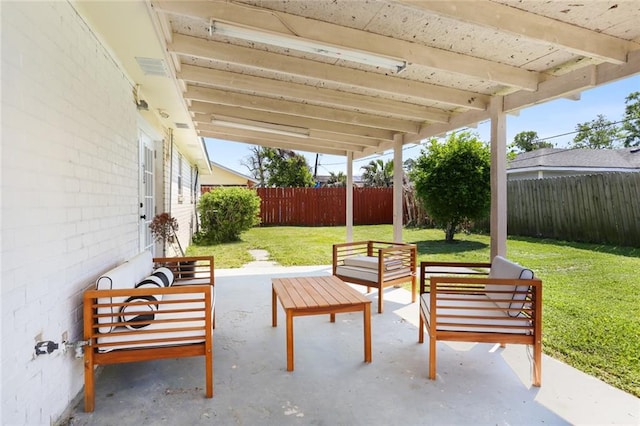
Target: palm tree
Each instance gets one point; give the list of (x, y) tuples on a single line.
[(378, 174), (337, 180)]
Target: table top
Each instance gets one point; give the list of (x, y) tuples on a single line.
[(316, 292)]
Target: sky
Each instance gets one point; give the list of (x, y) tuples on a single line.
[(559, 117)]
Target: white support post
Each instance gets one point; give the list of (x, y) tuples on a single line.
[(349, 217), (498, 177), (397, 187)]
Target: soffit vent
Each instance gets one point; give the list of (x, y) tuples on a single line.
[(153, 66), (182, 125)]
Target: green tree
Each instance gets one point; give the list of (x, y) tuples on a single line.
[(256, 163), (278, 167), (596, 134), (631, 126), (378, 174), (337, 180), (528, 141), (227, 212), (287, 169), (452, 179)]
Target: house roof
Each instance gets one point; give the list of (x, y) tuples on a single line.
[(215, 165), (460, 61), (555, 158)]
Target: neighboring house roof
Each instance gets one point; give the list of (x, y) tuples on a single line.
[(224, 176), (220, 166), (625, 160)]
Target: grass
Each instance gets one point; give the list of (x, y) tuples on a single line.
[(591, 298)]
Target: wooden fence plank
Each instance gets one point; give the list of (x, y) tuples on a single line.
[(324, 206), (600, 208)]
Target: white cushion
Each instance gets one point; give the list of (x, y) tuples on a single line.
[(368, 274), (120, 277), (476, 308), (135, 315), (124, 276), (503, 268), (192, 319), (142, 265), (165, 275), (371, 262)]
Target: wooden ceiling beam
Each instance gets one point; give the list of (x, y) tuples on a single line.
[(256, 59), (279, 142), (204, 121), (534, 27), (561, 86), (222, 97), (297, 26), (204, 109), (313, 95), (574, 82)]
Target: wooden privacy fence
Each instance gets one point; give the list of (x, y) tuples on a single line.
[(601, 208), (324, 206)]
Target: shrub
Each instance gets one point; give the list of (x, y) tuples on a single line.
[(453, 181), (227, 212)]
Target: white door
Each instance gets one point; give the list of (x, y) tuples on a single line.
[(147, 193)]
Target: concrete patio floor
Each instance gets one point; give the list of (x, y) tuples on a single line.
[(331, 384)]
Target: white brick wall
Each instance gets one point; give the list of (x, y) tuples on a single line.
[(69, 195), (184, 211)]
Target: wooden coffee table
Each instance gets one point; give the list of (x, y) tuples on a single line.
[(315, 296)]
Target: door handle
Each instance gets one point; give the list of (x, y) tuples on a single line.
[(144, 216)]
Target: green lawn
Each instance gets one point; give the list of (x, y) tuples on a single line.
[(591, 292)]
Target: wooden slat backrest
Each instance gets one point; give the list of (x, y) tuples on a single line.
[(194, 309), (188, 267)]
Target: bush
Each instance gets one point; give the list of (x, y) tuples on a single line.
[(227, 212), (453, 181)]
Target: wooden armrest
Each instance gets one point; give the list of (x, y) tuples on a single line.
[(188, 268), (429, 269)]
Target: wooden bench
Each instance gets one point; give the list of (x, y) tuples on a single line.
[(130, 318), (376, 264), (498, 302)]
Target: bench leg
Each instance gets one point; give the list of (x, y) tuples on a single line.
[(380, 291), (537, 364), (366, 312), (208, 359), (432, 358), (89, 389), (413, 289), (421, 329)]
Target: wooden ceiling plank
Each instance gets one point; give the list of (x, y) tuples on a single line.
[(309, 141), (202, 110), (574, 82), (274, 143), (223, 97), (203, 121), (528, 25), (565, 85), (458, 121), (244, 56), (292, 25), (331, 98)]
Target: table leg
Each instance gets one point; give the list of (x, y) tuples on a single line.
[(289, 341), (274, 308), (367, 332)]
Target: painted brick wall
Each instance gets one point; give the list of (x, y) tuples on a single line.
[(69, 195), (182, 208)]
